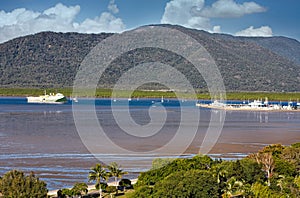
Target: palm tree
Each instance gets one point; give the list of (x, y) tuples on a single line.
[(116, 172), (220, 173), (281, 182), (234, 188), (98, 173)]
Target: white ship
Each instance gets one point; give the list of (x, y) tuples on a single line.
[(48, 99), (255, 105)]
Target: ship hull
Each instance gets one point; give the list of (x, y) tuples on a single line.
[(48, 99)]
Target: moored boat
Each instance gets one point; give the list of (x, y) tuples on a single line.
[(51, 98)]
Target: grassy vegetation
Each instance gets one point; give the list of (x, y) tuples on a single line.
[(283, 96), (32, 91), (107, 93)]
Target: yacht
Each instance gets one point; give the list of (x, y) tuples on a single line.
[(51, 98)]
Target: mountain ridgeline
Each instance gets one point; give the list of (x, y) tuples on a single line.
[(49, 59)]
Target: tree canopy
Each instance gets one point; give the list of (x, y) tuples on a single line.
[(15, 184), (272, 172)]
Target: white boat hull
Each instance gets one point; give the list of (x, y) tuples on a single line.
[(48, 99)]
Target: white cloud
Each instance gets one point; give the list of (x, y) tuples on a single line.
[(106, 22), (181, 12), (18, 15), (194, 13), (263, 31), (113, 7), (59, 18), (230, 9), (217, 29)]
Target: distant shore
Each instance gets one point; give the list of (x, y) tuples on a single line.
[(107, 93)]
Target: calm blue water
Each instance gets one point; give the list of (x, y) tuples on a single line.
[(43, 137)]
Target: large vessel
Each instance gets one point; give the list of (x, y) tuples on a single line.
[(51, 98), (254, 105)]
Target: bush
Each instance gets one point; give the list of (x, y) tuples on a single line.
[(80, 189), (15, 184), (155, 175), (193, 183), (66, 192), (142, 192), (126, 183), (111, 189)]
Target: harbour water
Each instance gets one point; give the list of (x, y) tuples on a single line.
[(43, 138)]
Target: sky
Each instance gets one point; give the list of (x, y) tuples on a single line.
[(235, 17)]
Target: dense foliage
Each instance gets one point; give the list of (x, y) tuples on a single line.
[(50, 59), (77, 190), (15, 184), (272, 172)]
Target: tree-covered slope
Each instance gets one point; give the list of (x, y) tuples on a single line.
[(50, 59)]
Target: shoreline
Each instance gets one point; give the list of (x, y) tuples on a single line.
[(107, 93), (90, 187)]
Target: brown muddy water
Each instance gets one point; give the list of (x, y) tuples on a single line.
[(43, 138)]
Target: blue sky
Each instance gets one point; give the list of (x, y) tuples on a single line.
[(236, 17)]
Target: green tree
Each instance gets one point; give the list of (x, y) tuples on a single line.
[(274, 149), (292, 155), (192, 183), (80, 188), (286, 185), (247, 170), (220, 173), (267, 162), (98, 173), (234, 188), (296, 145), (66, 192), (116, 172), (284, 167), (160, 162), (281, 182), (126, 183), (15, 184), (199, 162), (110, 190), (297, 181), (142, 192), (260, 191)]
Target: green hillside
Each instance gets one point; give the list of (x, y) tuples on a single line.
[(51, 60)]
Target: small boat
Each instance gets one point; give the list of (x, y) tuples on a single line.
[(51, 98), (75, 99)]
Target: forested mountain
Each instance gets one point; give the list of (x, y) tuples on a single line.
[(51, 59)]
